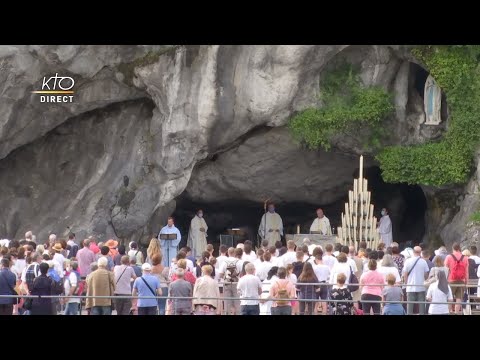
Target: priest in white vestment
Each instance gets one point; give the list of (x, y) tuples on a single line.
[(385, 228), (321, 224), (271, 226), (197, 236), (169, 247)]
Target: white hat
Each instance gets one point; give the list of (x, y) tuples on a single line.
[(147, 267), (441, 251), (408, 252)]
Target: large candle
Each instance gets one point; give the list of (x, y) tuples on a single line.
[(298, 229), (361, 204), (361, 167), (350, 197), (360, 230), (355, 190)]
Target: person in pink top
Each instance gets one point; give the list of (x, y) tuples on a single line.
[(371, 286), (93, 245), (85, 257), (457, 265), (282, 288)]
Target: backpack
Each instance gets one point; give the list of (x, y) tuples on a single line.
[(283, 294), (31, 274), (472, 269), (80, 288), (231, 274), (57, 283), (352, 281), (459, 271)]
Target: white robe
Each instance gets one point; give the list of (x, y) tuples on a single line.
[(274, 222), (197, 240), (322, 225), (385, 230), (169, 247)]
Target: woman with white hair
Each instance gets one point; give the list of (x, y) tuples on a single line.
[(389, 267)]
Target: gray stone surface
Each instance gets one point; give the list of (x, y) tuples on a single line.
[(156, 119), (269, 164), (461, 228)]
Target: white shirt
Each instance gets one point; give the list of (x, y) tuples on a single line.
[(312, 247), (417, 275), (437, 295), (265, 308), (248, 287), (322, 271), (352, 264), (71, 281), (385, 270), (292, 278), (250, 257), (220, 260), (329, 260), (19, 266), (59, 259), (337, 269), (277, 261), (262, 270), (289, 258), (190, 265)]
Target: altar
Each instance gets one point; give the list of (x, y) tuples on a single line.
[(316, 239)]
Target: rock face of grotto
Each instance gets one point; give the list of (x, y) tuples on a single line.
[(158, 130)]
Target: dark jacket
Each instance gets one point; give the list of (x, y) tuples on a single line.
[(7, 283), (43, 285)]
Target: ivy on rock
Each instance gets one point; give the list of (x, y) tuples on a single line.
[(347, 105), (449, 161)]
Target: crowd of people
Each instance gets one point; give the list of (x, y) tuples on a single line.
[(64, 277)]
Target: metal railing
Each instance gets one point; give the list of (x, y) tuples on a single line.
[(236, 300)]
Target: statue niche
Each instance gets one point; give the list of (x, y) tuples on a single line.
[(432, 102)]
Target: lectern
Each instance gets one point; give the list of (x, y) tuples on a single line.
[(168, 237)]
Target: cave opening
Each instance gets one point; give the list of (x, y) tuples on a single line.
[(407, 206)]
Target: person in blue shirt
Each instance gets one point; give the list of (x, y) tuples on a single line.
[(169, 247), (147, 285), (7, 285)]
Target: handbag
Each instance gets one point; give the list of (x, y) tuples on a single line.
[(353, 281), (16, 300)]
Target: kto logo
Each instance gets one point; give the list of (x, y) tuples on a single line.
[(57, 88)]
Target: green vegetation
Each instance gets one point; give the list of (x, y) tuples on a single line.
[(347, 106), (476, 217), (456, 70), (127, 69)]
